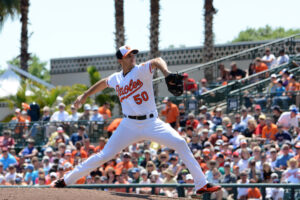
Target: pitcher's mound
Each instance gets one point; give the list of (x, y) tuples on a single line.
[(69, 194)]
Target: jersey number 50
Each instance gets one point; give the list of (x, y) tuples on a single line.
[(139, 98)]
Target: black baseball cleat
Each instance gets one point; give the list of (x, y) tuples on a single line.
[(208, 188), (59, 183)]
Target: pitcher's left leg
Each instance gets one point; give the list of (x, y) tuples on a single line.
[(163, 133)]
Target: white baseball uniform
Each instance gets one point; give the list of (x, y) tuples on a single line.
[(135, 91)]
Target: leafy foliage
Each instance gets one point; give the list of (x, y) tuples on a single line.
[(264, 33), (93, 74), (36, 67), (8, 8)]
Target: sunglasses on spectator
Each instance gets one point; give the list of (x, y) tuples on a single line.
[(149, 165)]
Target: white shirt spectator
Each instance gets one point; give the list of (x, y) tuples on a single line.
[(245, 120), (10, 177), (286, 120), (59, 116), (268, 58), (291, 175), (97, 118), (274, 193), (243, 165), (283, 59), (73, 117), (242, 191), (236, 140)]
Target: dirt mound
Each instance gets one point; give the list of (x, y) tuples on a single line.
[(68, 194)]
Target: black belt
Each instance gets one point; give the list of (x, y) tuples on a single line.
[(141, 117)]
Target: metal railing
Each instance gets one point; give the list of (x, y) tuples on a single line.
[(290, 192)]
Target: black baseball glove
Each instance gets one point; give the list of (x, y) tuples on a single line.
[(175, 84)]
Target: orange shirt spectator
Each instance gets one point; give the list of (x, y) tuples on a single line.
[(124, 164), (104, 110), (261, 67), (121, 180), (114, 125), (171, 112), (80, 153), (81, 181), (293, 85), (269, 132), (20, 122), (101, 144), (254, 193)]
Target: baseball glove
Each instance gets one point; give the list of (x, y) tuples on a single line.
[(175, 84)]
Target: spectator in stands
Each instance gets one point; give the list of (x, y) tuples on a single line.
[(217, 119), (276, 113), (218, 135), (88, 147), (292, 173), (86, 114), (243, 163), (113, 126), (236, 73), (11, 175), (189, 84), (171, 113), (203, 87), (236, 140), (291, 90), (282, 135), (194, 145), (269, 58), (96, 117), (182, 115), (101, 145), (289, 119), (243, 192), (229, 131), (282, 58), (245, 116), (285, 77), (281, 162), (254, 173), (260, 67), (203, 111), (29, 151), (124, 164), (279, 96), (266, 172), (19, 122), (269, 131), (258, 112), (169, 179), (6, 140), (61, 115), (273, 158), (74, 115), (261, 125), (7, 159), (46, 114), (251, 69), (192, 122), (274, 193), (79, 136), (272, 85), (105, 111), (224, 73), (79, 152), (253, 192), (61, 137), (239, 125)]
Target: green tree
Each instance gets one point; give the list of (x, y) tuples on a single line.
[(93, 74), (8, 8), (264, 33), (36, 67)]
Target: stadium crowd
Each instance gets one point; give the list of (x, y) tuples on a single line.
[(249, 146)]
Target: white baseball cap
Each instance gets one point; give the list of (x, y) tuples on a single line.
[(189, 177), (124, 51)]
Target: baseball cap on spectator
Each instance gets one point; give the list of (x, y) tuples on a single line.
[(67, 165), (30, 140), (144, 172), (87, 107), (244, 109), (29, 167), (219, 128), (203, 80), (127, 155), (166, 99), (218, 109), (103, 178), (203, 107), (60, 167), (95, 108), (219, 142), (123, 51), (154, 173), (227, 164), (287, 142), (173, 158), (297, 145), (276, 108), (48, 150), (243, 141), (205, 130), (17, 110), (292, 76), (68, 152), (217, 148), (257, 107), (181, 106), (53, 174), (206, 151), (274, 175), (263, 117), (220, 155), (185, 75), (61, 105), (45, 158), (273, 76), (184, 171), (294, 109), (60, 130), (235, 153), (11, 166), (169, 171), (207, 144), (189, 177), (135, 170), (4, 149)]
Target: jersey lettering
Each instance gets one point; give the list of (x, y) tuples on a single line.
[(138, 100), (128, 90)]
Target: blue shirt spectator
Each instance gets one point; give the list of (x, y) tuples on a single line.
[(7, 158), (79, 136), (282, 160)]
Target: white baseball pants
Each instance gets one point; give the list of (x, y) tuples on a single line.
[(131, 131)]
